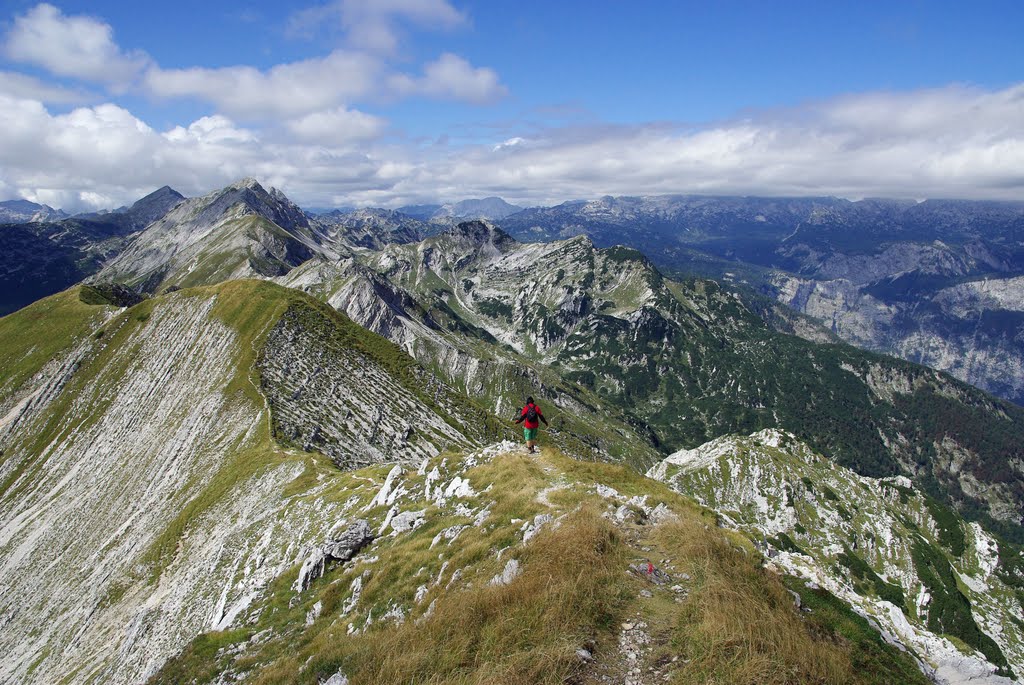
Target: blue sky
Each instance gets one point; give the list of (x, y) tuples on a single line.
[(386, 102)]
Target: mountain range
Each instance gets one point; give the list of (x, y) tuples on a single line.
[(23, 211), (935, 282), (260, 445), (39, 258)]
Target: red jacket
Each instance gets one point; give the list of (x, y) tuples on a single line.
[(527, 423)]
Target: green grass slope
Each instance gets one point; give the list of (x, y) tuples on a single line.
[(423, 604)]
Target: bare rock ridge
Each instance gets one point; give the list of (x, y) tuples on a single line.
[(326, 395)]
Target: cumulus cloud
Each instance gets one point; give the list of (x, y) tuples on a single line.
[(305, 87), (18, 85), (83, 47), (450, 76), (284, 90), (339, 125), (948, 142), (79, 46), (372, 24)]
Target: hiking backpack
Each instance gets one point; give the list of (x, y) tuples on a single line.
[(531, 412)]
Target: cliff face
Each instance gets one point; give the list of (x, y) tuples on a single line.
[(971, 329)]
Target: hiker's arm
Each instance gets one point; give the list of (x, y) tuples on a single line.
[(543, 419), (519, 419)]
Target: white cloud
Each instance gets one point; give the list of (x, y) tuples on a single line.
[(450, 76), (18, 85), (212, 129), (372, 24), (951, 142), (339, 125), (511, 142), (284, 90), (83, 47), (77, 46), (306, 87)]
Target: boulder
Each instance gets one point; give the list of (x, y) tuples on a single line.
[(343, 545)]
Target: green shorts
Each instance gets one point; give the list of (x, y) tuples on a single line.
[(530, 433)]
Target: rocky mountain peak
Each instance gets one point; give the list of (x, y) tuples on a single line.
[(154, 206), (481, 233), (249, 183), (24, 211), (273, 204)]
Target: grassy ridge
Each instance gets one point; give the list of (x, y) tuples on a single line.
[(31, 337), (738, 623)]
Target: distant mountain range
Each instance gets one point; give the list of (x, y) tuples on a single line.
[(937, 282), (487, 208), (23, 211), (40, 258)]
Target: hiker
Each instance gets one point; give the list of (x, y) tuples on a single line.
[(530, 415)]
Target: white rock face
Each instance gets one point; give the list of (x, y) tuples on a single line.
[(967, 330), (333, 398), (770, 484), (510, 573), (106, 570)]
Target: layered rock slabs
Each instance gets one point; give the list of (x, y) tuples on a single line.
[(161, 464)]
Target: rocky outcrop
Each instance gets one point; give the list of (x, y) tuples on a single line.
[(341, 545), (879, 544)]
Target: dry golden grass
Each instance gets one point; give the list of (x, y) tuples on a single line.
[(739, 625), (571, 587)]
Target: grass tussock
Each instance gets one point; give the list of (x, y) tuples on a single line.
[(570, 589), (740, 624)]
